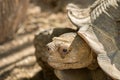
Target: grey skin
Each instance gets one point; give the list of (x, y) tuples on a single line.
[(100, 28)]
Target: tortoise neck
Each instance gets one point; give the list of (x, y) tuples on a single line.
[(94, 63)]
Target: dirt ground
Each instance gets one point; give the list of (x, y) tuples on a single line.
[(17, 60)]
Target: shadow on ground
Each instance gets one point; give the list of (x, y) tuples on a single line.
[(37, 76)]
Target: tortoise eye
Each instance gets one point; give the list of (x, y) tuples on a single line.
[(64, 50)]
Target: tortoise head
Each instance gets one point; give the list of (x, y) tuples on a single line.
[(69, 51)]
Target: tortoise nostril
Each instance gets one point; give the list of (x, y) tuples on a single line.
[(48, 48)]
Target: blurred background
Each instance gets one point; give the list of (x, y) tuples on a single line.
[(20, 21)]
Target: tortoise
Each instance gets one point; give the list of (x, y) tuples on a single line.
[(71, 71), (100, 28)]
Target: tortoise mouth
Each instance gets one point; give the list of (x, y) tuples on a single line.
[(69, 65)]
